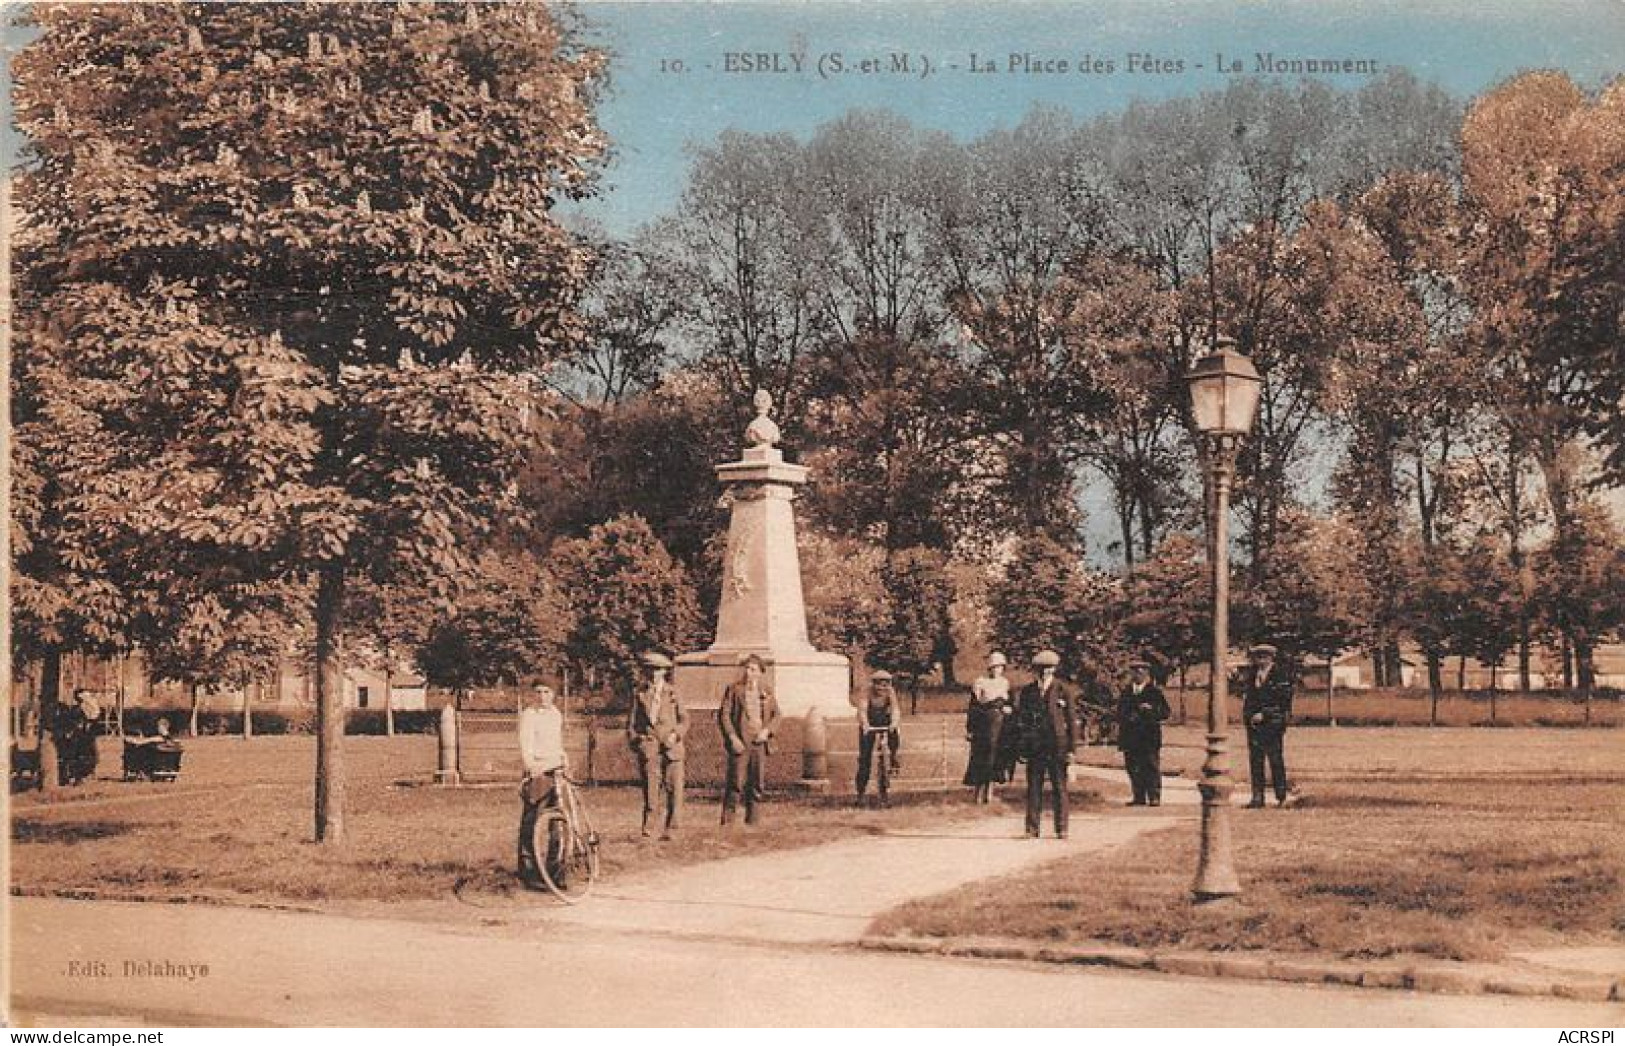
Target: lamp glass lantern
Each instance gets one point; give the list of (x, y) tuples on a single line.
[(1224, 389)]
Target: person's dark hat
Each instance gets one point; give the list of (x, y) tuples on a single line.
[(1046, 659), (1263, 648), (881, 676), (757, 658), (654, 659)]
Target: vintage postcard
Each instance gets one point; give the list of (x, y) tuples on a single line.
[(926, 513)]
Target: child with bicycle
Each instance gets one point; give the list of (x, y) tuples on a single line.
[(878, 713), (541, 746)]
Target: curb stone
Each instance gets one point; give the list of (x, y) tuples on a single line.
[(1435, 978), (1387, 977)]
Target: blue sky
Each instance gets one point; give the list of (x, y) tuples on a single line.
[(651, 115)]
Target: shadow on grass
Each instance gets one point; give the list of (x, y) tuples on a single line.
[(1361, 802), (497, 888), (24, 830)]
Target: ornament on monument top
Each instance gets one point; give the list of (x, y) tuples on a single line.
[(762, 432)]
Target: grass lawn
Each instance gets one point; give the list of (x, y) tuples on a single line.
[(238, 826), (1440, 844)]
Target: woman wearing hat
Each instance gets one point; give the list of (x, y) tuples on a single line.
[(984, 726)]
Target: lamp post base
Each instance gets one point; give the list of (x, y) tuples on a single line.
[(1215, 868)]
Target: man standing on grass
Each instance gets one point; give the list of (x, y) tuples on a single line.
[(541, 747), (1266, 708), (748, 716), (1049, 732), (655, 730), (1141, 709)]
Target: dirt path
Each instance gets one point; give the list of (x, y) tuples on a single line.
[(828, 894)]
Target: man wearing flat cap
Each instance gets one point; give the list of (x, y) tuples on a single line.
[(1266, 708), (1141, 710), (748, 716), (1048, 721), (878, 712), (655, 730)]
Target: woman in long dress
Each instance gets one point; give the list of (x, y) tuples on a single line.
[(984, 723)]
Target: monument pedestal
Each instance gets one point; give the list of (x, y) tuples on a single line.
[(762, 611), (800, 681)]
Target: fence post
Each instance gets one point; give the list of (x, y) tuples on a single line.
[(592, 749), (448, 772)]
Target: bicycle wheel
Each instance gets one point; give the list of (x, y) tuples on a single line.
[(571, 862), (883, 757)]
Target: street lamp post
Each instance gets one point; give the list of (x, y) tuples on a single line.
[(1224, 388)]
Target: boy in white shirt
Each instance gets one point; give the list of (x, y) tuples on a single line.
[(541, 746)]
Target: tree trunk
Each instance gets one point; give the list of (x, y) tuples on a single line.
[(1515, 553), (1585, 662), (330, 706), (1182, 715), (248, 709), (1435, 684), (50, 698), (197, 702), (119, 698), (389, 697), (1461, 672), (1125, 524)]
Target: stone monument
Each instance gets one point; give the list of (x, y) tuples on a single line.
[(762, 610)]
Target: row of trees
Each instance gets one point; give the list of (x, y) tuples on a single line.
[(970, 335)]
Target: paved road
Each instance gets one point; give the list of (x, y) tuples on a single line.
[(280, 968)]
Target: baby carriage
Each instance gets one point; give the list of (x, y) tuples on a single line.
[(151, 759), (24, 768)]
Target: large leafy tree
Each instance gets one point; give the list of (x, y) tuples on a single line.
[(314, 245), (510, 625), (628, 596), (1319, 602), (1168, 607), (918, 630), (1542, 185), (1049, 599)]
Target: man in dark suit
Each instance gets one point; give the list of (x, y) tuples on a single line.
[(1141, 710), (1049, 732), (1266, 708), (748, 716), (655, 730)]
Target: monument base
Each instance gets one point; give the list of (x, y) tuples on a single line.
[(801, 681)]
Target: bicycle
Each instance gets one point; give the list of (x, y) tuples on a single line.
[(880, 752), (565, 835)]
